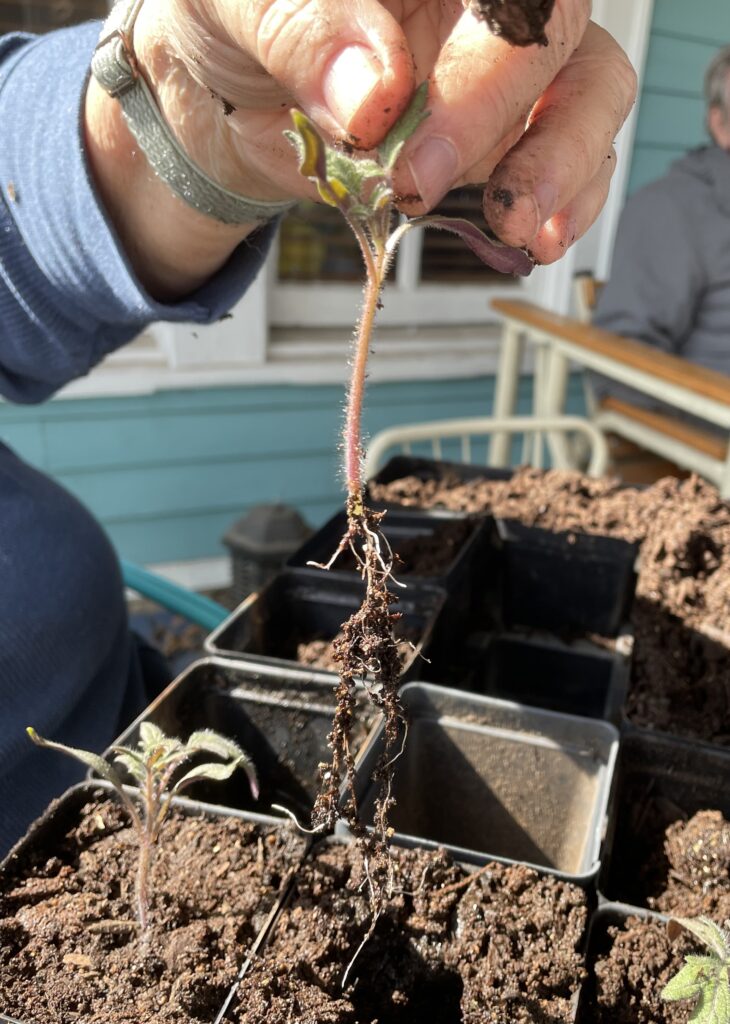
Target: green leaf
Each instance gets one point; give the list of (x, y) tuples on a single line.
[(150, 735), (381, 195), (86, 757), (691, 978), (133, 764), (213, 743), (710, 934), (414, 115), (714, 1000)]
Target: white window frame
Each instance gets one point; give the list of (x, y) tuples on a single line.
[(281, 332)]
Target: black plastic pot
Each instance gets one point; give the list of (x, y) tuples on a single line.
[(428, 979), (268, 627), (658, 780), (281, 718), (491, 780), (401, 530), (62, 813), (575, 678), (567, 583), (599, 944)]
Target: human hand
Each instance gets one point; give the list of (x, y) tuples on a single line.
[(537, 124)]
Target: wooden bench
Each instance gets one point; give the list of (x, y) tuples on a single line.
[(559, 341)]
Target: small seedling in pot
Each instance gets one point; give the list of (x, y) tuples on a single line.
[(361, 189), (704, 978), (153, 765)]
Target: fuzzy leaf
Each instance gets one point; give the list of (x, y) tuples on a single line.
[(312, 149), (381, 195), (213, 743), (132, 763), (710, 934), (499, 257), (414, 115), (150, 735), (93, 761), (691, 978), (713, 1006), (218, 772)]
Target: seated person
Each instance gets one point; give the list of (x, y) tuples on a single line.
[(670, 280)]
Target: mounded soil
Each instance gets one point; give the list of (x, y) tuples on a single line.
[(69, 949), (498, 945), (681, 665), (632, 973), (697, 857)]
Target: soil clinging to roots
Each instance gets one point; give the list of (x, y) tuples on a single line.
[(366, 650)]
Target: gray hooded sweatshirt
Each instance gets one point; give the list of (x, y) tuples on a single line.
[(670, 279)]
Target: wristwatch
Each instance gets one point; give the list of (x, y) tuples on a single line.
[(115, 68)]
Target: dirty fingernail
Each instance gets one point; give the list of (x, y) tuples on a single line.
[(434, 166), (349, 81)]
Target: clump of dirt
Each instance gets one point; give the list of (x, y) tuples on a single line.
[(499, 944), (69, 948), (681, 663), (520, 22), (630, 976), (697, 853)]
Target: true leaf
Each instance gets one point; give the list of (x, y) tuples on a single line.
[(713, 1006), (133, 765), (150, 735), (218, 772), (691, 978), (414, 115)]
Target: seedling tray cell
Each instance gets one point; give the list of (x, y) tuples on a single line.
[(492, 780), (658, 780), (281, 719), (567, 583), (576, 678), (267, 628)]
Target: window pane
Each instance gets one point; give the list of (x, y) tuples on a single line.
[(44, 15), (444, 257), (316, 244)]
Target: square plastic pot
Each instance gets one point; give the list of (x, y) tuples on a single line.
[(567, 583), (62, 812), (599, 944), (281, 719), (491, 780), (574, 678), (403, 530), (346, 839), (658, 780), (295, 609)]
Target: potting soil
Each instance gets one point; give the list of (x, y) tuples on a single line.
[(631, 975), (500, 947), (681, 663), (69, 948)]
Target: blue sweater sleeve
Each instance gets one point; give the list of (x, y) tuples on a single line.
[(68, 295)]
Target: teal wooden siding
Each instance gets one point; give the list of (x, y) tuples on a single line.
[(167, 473), (684, 38)]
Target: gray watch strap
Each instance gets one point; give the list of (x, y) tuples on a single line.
[(115, 68)]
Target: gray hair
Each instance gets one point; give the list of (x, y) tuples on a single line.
[(717, 82)]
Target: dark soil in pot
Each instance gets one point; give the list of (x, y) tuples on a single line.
[(69, 948), (682, 648), (634, 962), (501, 947)]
